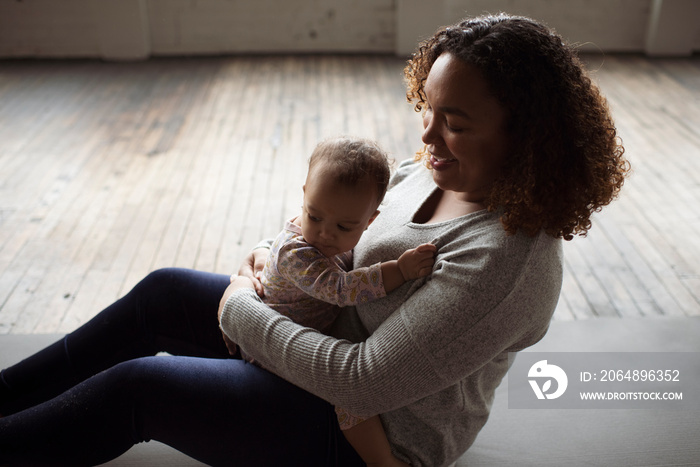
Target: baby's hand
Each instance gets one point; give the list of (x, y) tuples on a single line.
[(417, 262)]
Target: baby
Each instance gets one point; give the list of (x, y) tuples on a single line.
[(307, 275)]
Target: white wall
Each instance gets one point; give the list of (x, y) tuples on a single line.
[(134, 29), (206, 26), (657, 27), (616, 25), (124, 29)]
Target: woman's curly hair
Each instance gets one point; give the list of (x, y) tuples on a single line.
[(565, 160)]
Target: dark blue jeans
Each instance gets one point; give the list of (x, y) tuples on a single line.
[(91, 396)]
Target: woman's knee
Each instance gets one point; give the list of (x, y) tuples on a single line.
[(189, 283), (161, 290), (160, 279), (137, 383), (136, 375)]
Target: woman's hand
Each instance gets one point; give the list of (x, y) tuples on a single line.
[(237, 282), (248, 276), (252, 267)]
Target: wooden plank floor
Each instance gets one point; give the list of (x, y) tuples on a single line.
[(110, 170)]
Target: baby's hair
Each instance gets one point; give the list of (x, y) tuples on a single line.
[(352, 161)]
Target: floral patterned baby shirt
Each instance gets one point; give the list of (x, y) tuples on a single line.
[(301, 283)]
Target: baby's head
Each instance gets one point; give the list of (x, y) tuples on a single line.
[(352, 162), (346, 182)]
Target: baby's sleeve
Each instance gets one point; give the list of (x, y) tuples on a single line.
[(324, 279), (347, 420)]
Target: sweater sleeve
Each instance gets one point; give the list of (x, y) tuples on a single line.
[(366, 378), (445, 330)]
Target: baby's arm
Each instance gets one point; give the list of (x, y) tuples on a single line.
[(412, 264), (326, 279), (370, 442)]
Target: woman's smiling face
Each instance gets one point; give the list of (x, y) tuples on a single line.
[(464, 129)]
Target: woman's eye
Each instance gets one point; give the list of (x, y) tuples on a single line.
[(453, 125)]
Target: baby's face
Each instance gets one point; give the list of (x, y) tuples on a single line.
[(335, 216)]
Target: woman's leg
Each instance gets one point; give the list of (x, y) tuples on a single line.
[(219, 411), (172, 310)]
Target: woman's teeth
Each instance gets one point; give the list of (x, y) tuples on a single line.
[(442, 159), (440, 163)]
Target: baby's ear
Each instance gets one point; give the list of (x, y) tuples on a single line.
[(374, 216)]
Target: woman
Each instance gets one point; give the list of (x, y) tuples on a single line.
[(521, 150)]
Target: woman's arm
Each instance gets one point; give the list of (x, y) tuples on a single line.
[(474, 307), (358, 377)]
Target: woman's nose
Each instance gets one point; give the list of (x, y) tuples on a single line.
[(429, 135)]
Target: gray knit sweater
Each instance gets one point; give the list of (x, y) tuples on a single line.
[(428, 356)]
